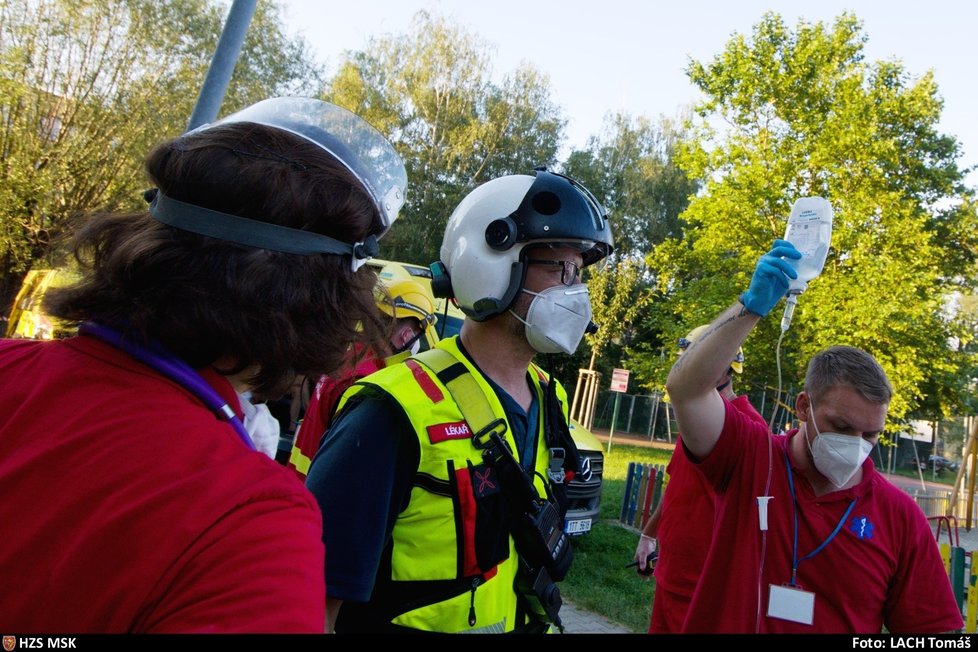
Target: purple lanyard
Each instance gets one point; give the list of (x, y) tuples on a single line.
[(173, 368)]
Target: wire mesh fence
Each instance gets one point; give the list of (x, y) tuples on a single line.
[(651, 417), (937, 502), (643, 415)]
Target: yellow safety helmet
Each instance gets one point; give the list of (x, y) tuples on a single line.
[(407, 298), (738, 362)]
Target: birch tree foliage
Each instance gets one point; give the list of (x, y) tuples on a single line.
[(798, 112), (87, 87), (432, 92)]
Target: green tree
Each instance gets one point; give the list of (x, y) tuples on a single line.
[(88, 86), (431, 92), (959, 389), (804, 114), (630, 167)]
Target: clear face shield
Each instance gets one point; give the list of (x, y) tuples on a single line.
[(348, 138)]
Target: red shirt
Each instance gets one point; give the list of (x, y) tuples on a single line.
[(319, 412), (883, 567), (128, 507), (686, 523)]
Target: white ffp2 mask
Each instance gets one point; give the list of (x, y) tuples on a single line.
[(557, 318), (262, 427), (838, 456)]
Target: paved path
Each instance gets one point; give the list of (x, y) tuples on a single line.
[(579, 621)]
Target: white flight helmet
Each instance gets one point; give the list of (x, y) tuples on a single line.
[(482, 262)]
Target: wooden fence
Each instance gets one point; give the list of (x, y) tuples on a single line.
[(643, 491)]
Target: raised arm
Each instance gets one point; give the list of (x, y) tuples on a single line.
[(692, 380)]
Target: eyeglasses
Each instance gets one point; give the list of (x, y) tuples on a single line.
[(570, 272)]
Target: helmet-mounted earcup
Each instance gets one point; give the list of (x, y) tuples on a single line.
[(501, 234), (487, 307), (441, 283)]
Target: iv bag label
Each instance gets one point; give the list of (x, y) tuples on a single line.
[(803, 232), (805, 238)]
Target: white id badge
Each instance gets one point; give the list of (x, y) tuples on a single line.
[(790, 603)]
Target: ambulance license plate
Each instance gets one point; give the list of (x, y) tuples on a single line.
[(579, 526)]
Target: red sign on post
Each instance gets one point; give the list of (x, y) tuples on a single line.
[(619, 380)]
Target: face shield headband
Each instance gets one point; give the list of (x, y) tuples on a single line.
[(252, 233), (363, 150)]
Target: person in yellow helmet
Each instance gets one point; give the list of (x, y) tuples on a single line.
[(412, 309), (736, 365), (680, 528)]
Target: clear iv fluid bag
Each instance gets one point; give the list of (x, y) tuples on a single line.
[(810, 231)]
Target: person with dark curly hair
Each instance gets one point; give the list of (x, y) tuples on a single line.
[(133, 496)]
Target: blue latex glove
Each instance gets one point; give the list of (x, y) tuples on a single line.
[(771, 277)]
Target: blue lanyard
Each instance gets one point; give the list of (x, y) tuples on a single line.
[(173, 368), (794, 544)]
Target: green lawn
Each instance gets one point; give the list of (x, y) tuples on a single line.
[(598, 580), (943, 477)]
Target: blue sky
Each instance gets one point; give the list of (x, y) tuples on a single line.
[(630, 55)]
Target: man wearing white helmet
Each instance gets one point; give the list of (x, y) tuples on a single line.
[(466, 447), (681, 527)]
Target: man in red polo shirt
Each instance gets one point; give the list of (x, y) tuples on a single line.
[(681, 527), (808, 537)]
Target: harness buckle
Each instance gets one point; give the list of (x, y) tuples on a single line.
[(555, 469), (480, 439)]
